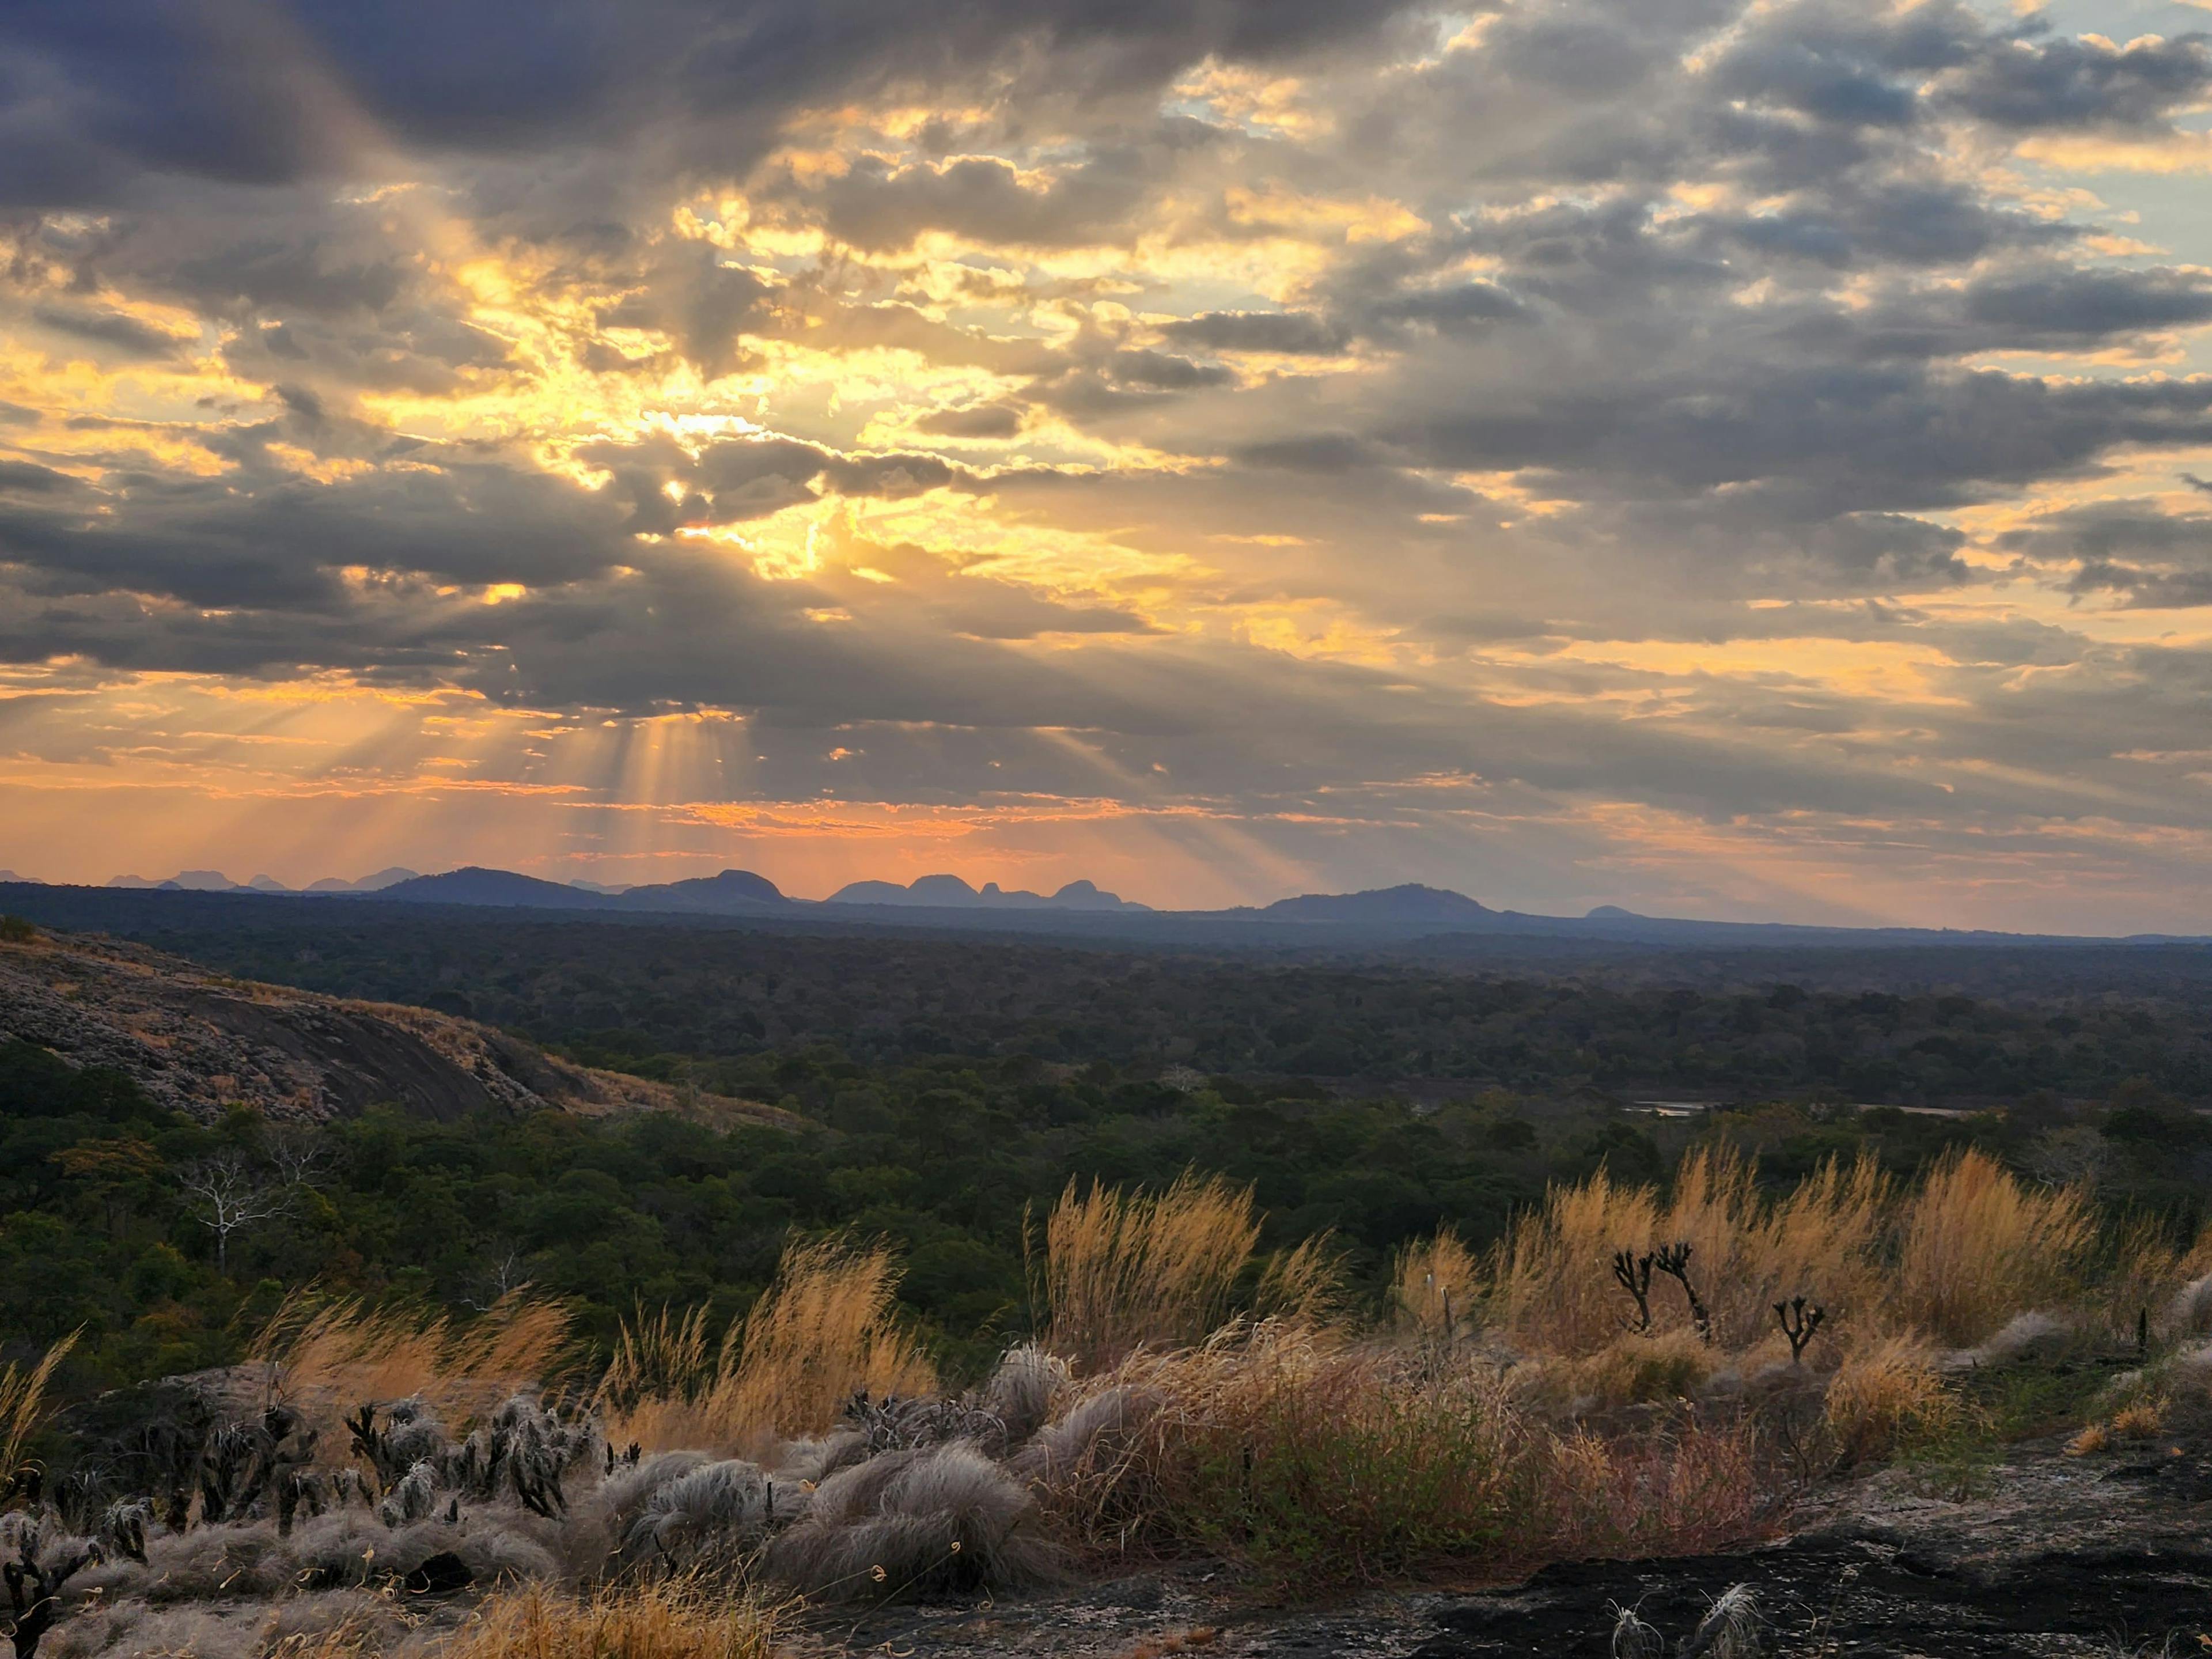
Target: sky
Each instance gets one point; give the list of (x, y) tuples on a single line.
[(1723, 459)]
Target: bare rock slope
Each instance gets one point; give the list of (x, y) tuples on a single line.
[(200, 1043)]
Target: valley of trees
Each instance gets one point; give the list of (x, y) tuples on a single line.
[(949, 1086)]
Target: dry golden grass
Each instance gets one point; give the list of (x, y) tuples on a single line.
[(656, 1618), (1977, 1247), (824, 1329), (24, 1402), (2092, 1439), (1550, 1287), (1122, 1271), (1629, 1370), (331, 1358), (1436, 1287), (1885, 1394), (2141, 1419)]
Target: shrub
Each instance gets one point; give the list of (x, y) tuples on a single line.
[(1311, 1462)]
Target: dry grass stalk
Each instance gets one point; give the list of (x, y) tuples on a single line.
[(329, 1358), (1128, 1270), (824, 1330), (24, 1402), (1977, 1247)]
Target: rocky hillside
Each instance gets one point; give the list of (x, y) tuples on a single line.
[(200, 1043)]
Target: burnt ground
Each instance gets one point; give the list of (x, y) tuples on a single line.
[(2049, 1557)]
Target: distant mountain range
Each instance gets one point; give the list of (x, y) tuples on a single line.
[(950, 892), (1402, 913), (214, 881)]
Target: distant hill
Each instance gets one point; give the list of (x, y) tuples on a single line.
[(1435, 908), (951, 893), (733, 892), (1403, 915), (391, 877), (474, 885), (202, 1043)]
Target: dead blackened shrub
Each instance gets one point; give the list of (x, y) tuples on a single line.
[(944, 1520), (38, 1570)]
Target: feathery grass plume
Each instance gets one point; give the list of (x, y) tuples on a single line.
[(1885, 1394), (1435, 1286), (1633, 1639), (1730, 1629), (24, 1402), (1548, 1288), (1127, 1270), (1976, 1246), (1022, 1390), (332, 1356), (822, 1331), (678, 1618), (723, 1504)]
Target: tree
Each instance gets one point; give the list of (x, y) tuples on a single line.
[(299, 1153), (225, 1194)]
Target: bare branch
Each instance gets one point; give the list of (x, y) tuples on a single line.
[(227, 1193)]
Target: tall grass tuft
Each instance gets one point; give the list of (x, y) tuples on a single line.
[(1884, 1396), (24, 1402), (1128, 1270), (824, 1329), (1977, 1247), (328, 1357)]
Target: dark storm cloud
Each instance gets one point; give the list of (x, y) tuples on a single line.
[(2147, 558), (2092, 304), (2084, 81), (96, 325), (1292, 333), (93, 97)]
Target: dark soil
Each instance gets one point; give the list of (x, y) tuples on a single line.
[(1863, 1597)]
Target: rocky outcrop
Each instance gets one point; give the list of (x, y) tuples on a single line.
[(200, 1044)]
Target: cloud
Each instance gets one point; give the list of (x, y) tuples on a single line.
[(1678, 426)]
